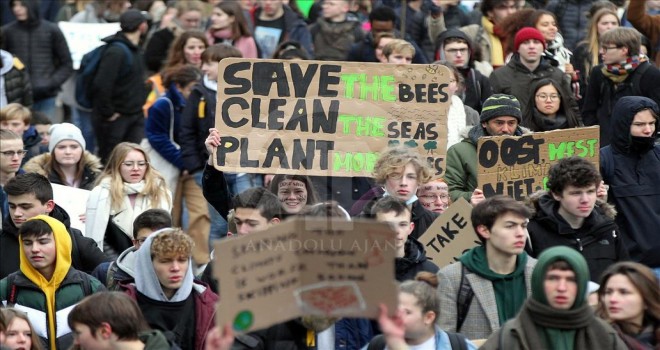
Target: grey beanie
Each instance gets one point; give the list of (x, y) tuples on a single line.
[(64, 131), (500, 105)]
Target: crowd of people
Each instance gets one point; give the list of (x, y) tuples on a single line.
[(574, 266)]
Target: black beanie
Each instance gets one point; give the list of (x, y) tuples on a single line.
[(499, 105)]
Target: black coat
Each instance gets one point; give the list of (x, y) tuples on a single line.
[(85, 254), (414, 261), (41, 46), (195, 128), (215, 190), (598, 240), (18, 88)]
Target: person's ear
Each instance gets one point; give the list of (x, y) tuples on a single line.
[(412, 227), (483, 231), (274, 221), (104, 330), (556, 196), (50, 205), (429, 317)]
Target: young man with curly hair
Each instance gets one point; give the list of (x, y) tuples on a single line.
[(569, 214), (171, 301)]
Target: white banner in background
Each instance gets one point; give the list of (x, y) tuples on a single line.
[(85, 37)]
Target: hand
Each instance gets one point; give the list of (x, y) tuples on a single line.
[(477, 197), (267, 179), (220, 339), (393, 329), (212, 142), (601, 192)]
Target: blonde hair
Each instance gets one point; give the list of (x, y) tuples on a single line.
[(154, 183), (14, 111), (592, 40), (395, 158), (398, 46), (171, 242)]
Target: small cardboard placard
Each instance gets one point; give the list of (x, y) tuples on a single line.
[(327, 118), (518, 166), (450, 235), (305, 266)]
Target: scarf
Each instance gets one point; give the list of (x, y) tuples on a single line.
[(619, 72), (220, 36), (545, 123), (496, 49)]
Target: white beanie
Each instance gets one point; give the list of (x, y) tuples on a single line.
[(64, 131)]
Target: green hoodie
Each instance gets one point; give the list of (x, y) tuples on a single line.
[(510, 290), (154, 340), (555, 338)]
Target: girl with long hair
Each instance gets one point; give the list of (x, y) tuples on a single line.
[(19, 334), (630, 300), (294, 192), (548, 109), (228, 25), (127, 187)]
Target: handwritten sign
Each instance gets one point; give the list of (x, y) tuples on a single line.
[(305, 266), (73, 201), (450, 235), (85, 37), (327, 118), (518, 166)]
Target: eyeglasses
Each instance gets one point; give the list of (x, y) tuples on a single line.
[(463, 51), (544, 97), (11, 154), (435, 197), (141, 240), (133, 164), (605, 48)]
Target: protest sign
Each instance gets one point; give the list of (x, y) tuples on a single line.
[(450, 235), (327, 118), (85, 37), (73, 201), (305, 266), (518, 166)]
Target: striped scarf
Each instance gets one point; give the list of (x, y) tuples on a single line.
[(619, 72)]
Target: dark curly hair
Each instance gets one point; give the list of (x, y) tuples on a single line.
[(572, 171)]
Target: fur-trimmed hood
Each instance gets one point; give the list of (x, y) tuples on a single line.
[(538, 203), (93, 168)]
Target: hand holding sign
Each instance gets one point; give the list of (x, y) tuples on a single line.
[(212, 142)]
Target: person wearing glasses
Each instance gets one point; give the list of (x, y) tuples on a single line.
[(11, 155), (526, 66), (434, 196), (547, 108), (624, 72), (127, 187)]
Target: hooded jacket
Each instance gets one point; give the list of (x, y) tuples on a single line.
[(514, 78), (85, 254), (477, 85), (15, 86), (461, 172), (598, 240), (147, 284), (539, 326), (92, 164), (158, 125), (41, 46), (197, 118), (113, 93), (33, 293), (633, 177), (414, 261), (295, 29)]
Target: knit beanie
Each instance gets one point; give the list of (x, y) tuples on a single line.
[(62, 132), (499, 105), (578, 265), (528, 33)]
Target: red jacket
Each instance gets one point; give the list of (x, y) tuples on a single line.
[(205, 307)]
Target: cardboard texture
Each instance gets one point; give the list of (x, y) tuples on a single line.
[(302, 267), (327, 118), (450, 235), (518, 166)]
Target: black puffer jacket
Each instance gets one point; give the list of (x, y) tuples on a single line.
[(114, 92), (41, 46), (572, 19), (85, 254), (195, 127), (598, 240), (414, 261), (18, 88)]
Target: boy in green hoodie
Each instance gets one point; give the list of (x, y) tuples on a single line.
[(557, 315), (47, 287), (496, 274)]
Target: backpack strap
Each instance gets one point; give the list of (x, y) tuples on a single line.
[(11, 290), (457, 341), (126, 69), (465, 295)]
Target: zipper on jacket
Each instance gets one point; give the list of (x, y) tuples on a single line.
[(579, 242)]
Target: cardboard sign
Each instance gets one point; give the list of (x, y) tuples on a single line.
[(85, 37), (450, 235), (518, 166), (73, 201), (327, 118), (303, 266)]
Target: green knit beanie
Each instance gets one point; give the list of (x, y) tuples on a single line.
[(577, 263)]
